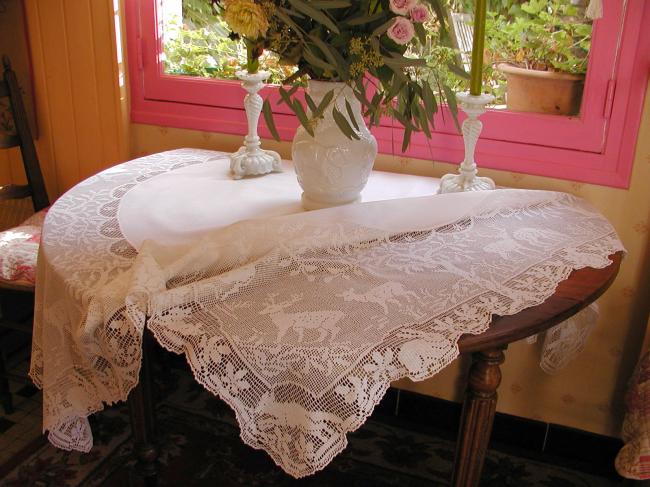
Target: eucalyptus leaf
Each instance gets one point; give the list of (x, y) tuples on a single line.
[(268, 118), (452, 104), (310, 103), (395, 89), (421, 33), (396, 72), (423, 120), (403, 62), (315, 13), (302, 116), (344, 125), (330, 4), (312, 58), (325, 102), (364, 19), (333, 56), (284, 97), (353, 119), (383, 28), (283, 15), (429, 98), (362, 99), (407, 138), (294, 80), (458, 70)]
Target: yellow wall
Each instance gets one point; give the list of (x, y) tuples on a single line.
[(78, 98), (80, 105), (11, 34)]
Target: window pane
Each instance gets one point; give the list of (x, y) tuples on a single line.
[(195, 43), (538, 45)]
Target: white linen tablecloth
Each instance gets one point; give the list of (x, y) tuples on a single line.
[(299, 321)]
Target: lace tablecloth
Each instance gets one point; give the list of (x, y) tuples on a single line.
[(299, 321)]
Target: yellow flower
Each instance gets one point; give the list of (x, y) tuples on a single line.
[(246, 18), (357, 45)]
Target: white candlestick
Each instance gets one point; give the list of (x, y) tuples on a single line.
[(466, 179), (251, 159)]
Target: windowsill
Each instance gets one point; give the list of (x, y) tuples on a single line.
[(608, 169)]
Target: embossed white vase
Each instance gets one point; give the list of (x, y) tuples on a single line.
[(332, 169)]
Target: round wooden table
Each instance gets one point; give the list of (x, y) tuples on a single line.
[(87, 232), (581, 288)]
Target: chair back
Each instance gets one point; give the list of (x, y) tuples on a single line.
[(21, 136)]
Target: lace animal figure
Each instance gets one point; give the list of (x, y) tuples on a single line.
[(383, 295), (505, 246), (323, 322)]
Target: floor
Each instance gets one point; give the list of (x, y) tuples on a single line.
[(17, 430), (200, 446), (23, 426)]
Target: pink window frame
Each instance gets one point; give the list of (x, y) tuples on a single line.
[(596, 147)]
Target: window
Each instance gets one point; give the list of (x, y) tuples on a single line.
[(595, 146)]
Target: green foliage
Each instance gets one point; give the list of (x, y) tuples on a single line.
[(515, 23), (443, 67), (503, 7), (199, 13), (347, 41), (540, 34), (207, 51)]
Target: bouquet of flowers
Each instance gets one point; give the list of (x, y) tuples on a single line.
[(370, 45)]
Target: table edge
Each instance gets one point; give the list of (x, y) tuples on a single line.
[(564, 303)]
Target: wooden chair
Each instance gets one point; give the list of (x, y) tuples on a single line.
[(19, 245)]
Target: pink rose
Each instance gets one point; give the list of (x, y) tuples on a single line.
[(402, 30), (419, 14), (402, 7)]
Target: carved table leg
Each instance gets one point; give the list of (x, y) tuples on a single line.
[(478, 415), (143, 422)]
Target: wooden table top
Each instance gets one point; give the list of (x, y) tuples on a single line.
[(573, 294)]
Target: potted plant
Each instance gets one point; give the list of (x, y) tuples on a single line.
[(542, 49), (358, 59)]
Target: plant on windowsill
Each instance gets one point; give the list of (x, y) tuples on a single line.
[(357, 56), (204, 50), (542, 50)]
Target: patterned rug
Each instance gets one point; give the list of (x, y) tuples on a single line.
[(200, 446)]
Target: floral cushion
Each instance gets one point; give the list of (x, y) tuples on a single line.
[(19, 249), (633, 461)]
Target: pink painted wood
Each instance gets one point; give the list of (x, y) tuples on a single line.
[(596, 147)]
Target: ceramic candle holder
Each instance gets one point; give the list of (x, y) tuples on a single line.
[(251, 159), (466, 179)]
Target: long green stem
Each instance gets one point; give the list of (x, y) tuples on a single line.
[(476, 81), (253, 53)]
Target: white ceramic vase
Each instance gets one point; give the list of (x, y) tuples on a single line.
[(332, 169)]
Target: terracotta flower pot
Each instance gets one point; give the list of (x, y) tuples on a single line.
[(549, 92)]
